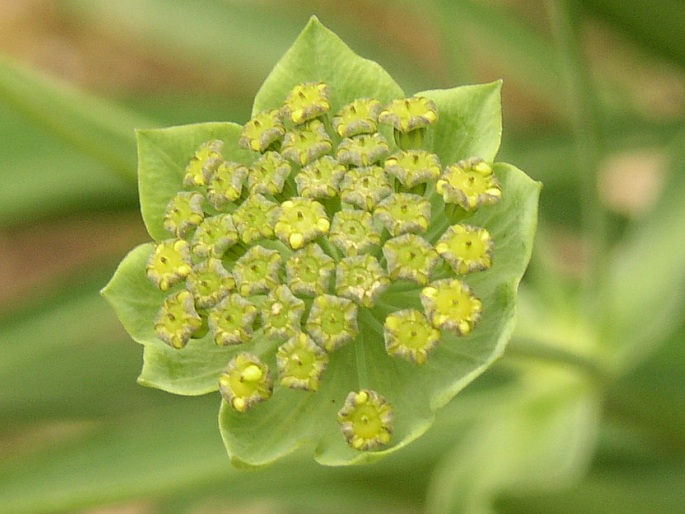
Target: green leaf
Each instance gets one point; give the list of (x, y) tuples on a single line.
[(163, 155), (136, 301), (311, 59), (475, 122)]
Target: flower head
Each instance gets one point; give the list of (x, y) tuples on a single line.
[(300, 221), (209, 282), (320, 179), (365, 187), (330, 237), (282, 312), (353, 231), (294, 246), (413, 167), (214, 236), (410, 257), (466, 248), (306, 143), (309, 271), (363, 150), (309, 253), (232, 320)]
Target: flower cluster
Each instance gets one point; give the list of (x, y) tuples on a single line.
[(337, 212)]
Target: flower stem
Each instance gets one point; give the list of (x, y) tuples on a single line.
[(531, 349), (584, 118)]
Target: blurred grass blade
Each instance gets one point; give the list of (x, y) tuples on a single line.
[(100, 129), (656, 24), (246, 38), (511, 45), (158, 451), (172, 451), (41, 176)]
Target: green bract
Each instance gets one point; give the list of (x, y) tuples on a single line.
[(318, 274)]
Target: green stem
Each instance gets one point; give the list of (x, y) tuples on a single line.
[(584, 116), (532, 349)]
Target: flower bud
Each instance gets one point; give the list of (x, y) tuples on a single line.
[(470, 184), (307, 101), (205, 161), (466, 248), (183, 213), (169, 264), (366, 420), (301, 363), (409, 335), (245, 382), (231, 321), (177, 320), (262, 131), (309, 271), (451, 305), (410, 257), (354, 231), (332, 321), (358, 117)]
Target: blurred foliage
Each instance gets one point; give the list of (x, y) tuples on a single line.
[(586, 412)]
